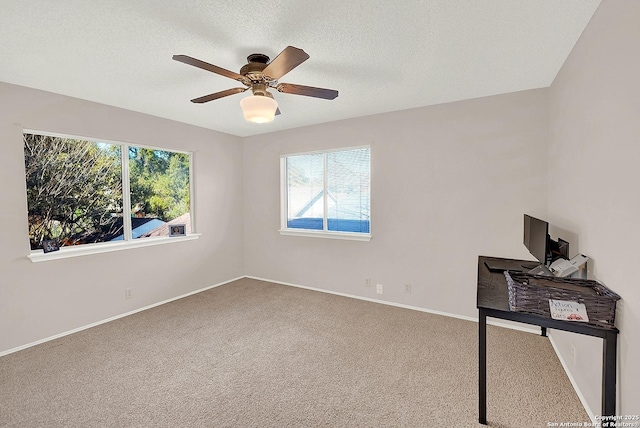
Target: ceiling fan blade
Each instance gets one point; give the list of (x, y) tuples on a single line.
[(309, 91), (210, 67), (217, 95), (286, 61)]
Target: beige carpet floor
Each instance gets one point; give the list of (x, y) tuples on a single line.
[(257, 354)]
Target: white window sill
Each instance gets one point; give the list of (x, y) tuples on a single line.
[(105, 247), (349, 236)]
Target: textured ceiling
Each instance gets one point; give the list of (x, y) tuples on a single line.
[(381, 55)]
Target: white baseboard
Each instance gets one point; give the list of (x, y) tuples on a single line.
[(368, 299), (94, 324), (525, 328), (573, 382), (533, 330), (353, 296)]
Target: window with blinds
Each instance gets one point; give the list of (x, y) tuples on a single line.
[(327, 193)]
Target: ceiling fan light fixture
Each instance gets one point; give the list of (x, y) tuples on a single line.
[(258, 108)]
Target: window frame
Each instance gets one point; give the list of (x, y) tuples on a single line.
[(128, 241), (313, 233)]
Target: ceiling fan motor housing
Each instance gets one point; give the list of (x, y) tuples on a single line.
[(253, 69)]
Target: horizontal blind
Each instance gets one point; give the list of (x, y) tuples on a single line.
[(348, 190), (305, 191)]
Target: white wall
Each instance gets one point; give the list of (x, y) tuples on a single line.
[(38, 300), (594, 171), (449, 182)]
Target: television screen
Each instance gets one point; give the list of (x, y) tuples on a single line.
[(536, 237)]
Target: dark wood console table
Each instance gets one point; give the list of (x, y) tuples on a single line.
[(493, 301)]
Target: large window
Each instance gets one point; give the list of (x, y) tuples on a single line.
[(82, 191), (327, 193)]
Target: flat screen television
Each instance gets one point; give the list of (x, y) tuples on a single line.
[(536, 238)]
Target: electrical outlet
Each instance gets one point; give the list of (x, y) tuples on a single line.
[(128, 293), (367, 282), (379, 288), (407, 288)]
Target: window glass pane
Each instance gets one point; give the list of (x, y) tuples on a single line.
[(348, 190), (74, 190), (305, 191), (160, 192)]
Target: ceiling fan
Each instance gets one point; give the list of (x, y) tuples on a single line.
[(260, 75)]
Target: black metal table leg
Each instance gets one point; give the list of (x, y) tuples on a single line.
[(609, 348), (482, 372)]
